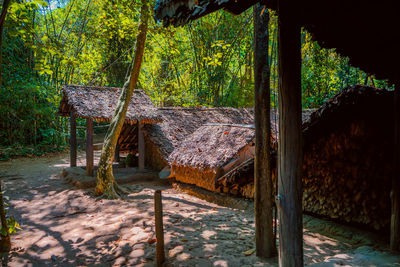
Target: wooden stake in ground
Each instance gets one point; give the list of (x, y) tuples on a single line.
[(265, 242), (159, 228), (395, 194), (289, 198), (106, 184)]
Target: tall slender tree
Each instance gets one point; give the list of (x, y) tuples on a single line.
[(5, 242), (106, 184)]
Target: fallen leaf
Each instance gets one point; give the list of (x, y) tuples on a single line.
[(184, 240), (226, 132), (249, 252), (152, 241)]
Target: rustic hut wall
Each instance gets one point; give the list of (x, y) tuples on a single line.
[(205, 178)]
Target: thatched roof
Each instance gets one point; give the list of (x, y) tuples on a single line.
[(179, 122), (180, 12), (99, 103), (353, 102), (344, 25), (212, 146), (207, 147)]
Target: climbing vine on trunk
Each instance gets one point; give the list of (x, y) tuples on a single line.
[(106, 184)]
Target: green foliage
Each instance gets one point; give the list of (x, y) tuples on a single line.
[(12, 224), (209, 62)]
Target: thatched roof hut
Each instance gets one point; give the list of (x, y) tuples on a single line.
[(347, 164), (214, 150), (211, 151), (99, 103), (179, 122)]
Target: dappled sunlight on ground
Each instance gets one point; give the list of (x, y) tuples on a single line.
[(65, 226)]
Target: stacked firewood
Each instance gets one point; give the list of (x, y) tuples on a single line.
[(347, 178)]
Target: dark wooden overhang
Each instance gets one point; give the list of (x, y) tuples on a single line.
[(365, 31)]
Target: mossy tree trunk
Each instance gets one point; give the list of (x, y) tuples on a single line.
[(5, 242), (106, 184)]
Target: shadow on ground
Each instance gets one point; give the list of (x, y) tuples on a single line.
[(65, 226)]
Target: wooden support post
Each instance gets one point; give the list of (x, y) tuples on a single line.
[(289, 198), (89, 147), (116, 155), (395, 194), (141, 146), (72, 139), (263, 204), (159, 228)]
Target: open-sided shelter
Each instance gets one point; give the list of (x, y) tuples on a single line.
[(344, 25), (99, 104)]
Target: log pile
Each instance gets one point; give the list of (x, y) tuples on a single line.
[(345, 179), (348, 157)]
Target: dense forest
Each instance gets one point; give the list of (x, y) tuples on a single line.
[(47, 44)]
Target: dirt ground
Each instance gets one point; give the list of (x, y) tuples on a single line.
[(65, 226)]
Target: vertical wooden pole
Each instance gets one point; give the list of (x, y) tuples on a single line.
[(265, 243), (395, 194), (72, 139), (141, 146), (289, 198), (159, 228), (89, 147), (116, 156)]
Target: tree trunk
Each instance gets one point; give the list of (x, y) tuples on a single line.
[(3, 15), (265, 243), (106, 184), (395, 195), (289, 198), (5, 242)]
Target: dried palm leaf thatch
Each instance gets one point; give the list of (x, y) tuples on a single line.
[(179, 122), (99, 103), (180, 12), (204, 178), (212, 146), (201, 157)]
